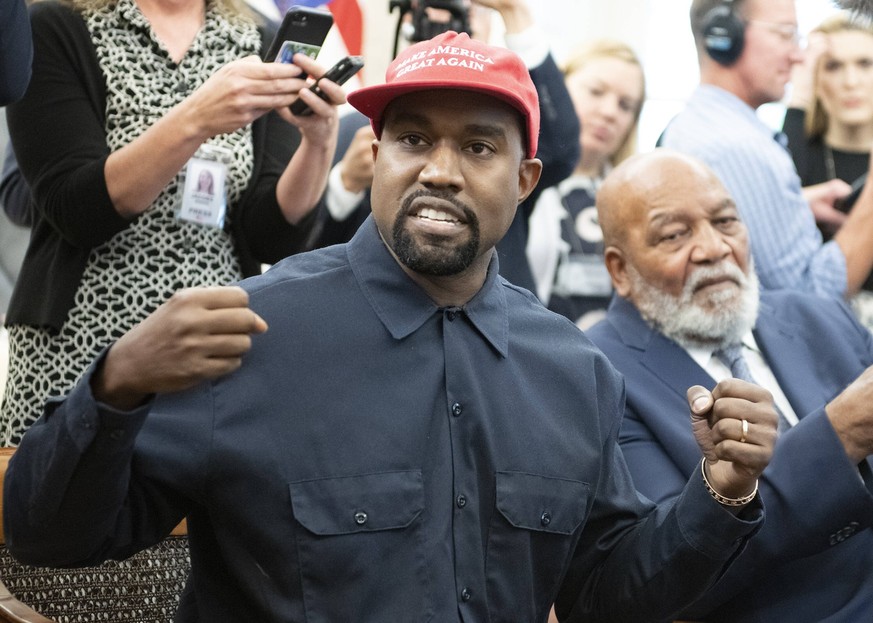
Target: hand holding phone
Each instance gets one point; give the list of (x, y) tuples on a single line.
[(339, 73), (845, 204)]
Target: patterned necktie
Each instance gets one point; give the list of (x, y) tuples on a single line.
[(732, 356)]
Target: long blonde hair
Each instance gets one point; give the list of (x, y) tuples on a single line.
[(611, 48), (225, 7), (816, 121)]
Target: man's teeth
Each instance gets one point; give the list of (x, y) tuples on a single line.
[(436, 215)]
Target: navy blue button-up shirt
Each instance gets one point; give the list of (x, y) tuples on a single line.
[(377, 458)]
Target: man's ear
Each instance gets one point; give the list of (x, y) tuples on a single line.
[(529, 172), (616, 264), (375, 147)]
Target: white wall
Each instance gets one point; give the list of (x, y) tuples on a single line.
[(657, 29)]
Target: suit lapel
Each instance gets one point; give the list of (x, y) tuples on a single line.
[(660, 355), (658, 395), (783, 345)]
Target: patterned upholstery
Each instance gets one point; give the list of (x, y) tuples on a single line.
[(145, 588)]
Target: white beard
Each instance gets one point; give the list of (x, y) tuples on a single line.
[(729, 315)]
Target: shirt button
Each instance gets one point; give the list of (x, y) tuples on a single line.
[(451, 315), (187, 244), (360, 518), (546, 518), (182, 87), (466, 595), (461, 501), (457, 409)]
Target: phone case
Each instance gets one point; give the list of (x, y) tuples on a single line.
[(339, 73), (302, 30)]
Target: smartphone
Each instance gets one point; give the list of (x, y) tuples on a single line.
[(302, 30), (339, 73), (846, 203)]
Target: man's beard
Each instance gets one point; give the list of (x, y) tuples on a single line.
[(728, 316), (441, 261)]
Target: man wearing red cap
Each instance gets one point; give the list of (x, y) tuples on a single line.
[(467, 471), (347, 197)]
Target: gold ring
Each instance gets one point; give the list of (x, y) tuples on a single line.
[(745, 431)]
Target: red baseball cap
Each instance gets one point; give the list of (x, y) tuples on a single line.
[(455, 61)]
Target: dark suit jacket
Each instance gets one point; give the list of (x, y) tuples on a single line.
[(558, 149), (798, 568), (16, 50)]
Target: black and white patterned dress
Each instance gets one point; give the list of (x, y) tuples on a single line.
[(140, 267)]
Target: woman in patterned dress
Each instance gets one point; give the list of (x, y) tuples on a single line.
[(128, 99)]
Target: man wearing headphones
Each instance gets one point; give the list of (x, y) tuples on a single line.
[(746, 49)]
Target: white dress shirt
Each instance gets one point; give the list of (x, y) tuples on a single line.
[(758, 366)]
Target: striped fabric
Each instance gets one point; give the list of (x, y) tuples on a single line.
[(725, 133)]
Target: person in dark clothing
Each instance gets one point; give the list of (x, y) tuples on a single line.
[(16, 50), (348, 195), (117, 226), (467, 471)]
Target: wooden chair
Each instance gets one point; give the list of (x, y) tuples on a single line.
[(144, 588)]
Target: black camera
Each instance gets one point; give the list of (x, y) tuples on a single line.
[(433, 17)]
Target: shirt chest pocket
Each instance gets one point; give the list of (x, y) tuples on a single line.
[(535, 526), (541, 503), (360, 539), (373, 502)]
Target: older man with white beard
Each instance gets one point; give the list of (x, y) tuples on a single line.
[(678, 255)]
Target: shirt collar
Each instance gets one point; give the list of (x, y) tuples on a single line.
[(403, 306), (717, 98)]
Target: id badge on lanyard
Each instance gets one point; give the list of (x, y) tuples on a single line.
[(204, 178), (582, 275)]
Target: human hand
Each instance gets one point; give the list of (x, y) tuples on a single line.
[(497, 5), (356, 167), (320, 126), (516, 14), (735, 454), (240, 92), (822, 198), (803, 73), (852, 418), (198, 334)]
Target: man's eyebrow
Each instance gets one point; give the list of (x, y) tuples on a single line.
[(477, 129), (406, 116), (664, 218), (727, 204), (488, 131)]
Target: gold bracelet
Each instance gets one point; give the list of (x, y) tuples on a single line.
[(722, 499)]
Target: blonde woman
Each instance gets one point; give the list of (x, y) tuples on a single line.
[(829, 122), (565, 249), (129, 99)]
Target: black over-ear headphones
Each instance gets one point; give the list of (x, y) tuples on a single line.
[(723, 33)]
